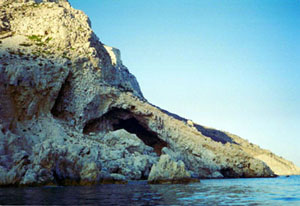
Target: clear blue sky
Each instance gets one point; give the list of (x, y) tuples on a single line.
[(233, 65)]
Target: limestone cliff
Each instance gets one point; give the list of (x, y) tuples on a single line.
[(71, 113)]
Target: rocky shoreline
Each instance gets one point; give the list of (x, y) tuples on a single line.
[(72, 114)]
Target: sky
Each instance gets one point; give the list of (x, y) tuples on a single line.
[(233, 65)]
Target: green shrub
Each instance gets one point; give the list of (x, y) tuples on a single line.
[(37, 38), (48, 39)]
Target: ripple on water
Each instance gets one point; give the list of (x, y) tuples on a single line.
[(288, 199), (275, 191)]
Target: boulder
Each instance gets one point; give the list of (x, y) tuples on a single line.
[(126, 154), (169, 171)]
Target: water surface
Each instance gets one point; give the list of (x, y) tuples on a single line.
[(256, 191)]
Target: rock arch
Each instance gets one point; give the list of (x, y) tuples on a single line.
[(117, 119)]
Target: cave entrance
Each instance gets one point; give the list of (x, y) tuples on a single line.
[(151, 139), (122, 119)]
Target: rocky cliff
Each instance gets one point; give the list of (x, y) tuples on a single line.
[(72, 113)]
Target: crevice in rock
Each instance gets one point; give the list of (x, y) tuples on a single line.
[(57, 179), (123, 119), (58, 107)]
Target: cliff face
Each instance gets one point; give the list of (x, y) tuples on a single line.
[(71, 113)]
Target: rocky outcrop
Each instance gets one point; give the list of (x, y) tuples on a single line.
[(72, 113), (279, 165), (169, 171)]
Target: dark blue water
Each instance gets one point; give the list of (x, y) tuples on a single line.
[(266, 191)]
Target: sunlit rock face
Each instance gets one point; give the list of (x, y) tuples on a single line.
[(168, 170), (72, 113)]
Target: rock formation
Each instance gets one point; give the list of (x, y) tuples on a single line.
[(169, 171), (71, 113)]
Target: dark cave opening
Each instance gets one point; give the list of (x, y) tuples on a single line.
[(122, 119), (92, 126), (151, 139), (229, 173)]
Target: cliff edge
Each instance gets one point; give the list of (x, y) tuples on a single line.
[(72, 113)]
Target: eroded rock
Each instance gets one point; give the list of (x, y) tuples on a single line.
[(169, 171), (72, 113)]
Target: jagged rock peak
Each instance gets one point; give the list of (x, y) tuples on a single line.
[(55, 28)]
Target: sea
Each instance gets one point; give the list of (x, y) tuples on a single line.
[(254, 191)]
